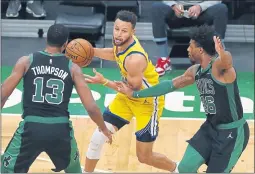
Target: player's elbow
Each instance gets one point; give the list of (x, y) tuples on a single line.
[(226, 60), (136, 87), (226, 64)]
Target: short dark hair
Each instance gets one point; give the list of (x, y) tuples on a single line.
[(203, 36), (127, 16), (57, 35)]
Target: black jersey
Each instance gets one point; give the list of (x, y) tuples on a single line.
[(222, 103), (47, 86)]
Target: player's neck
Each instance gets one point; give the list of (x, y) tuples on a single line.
[(126, 45), (53, 50), (205, 61)]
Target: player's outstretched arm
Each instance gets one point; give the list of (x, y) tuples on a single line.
[(162, 88), (13, 80), (104, 53), (224, 62), (100, 79), (87, 99)]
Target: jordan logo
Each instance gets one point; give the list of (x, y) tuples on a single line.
[(145, 101), (7, 160), (230, 135)]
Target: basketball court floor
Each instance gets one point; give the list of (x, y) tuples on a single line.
[(182, 114), (181, 118)]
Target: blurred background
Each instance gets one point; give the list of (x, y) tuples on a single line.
[(24, 25)]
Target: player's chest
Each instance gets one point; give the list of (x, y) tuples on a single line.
[(205, 84)]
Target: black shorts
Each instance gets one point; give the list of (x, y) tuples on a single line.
[(221, 147), (37, 134)]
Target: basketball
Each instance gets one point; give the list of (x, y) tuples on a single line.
[(80, 51)]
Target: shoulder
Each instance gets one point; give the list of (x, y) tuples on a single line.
[(191, 71), (75, 70), (136, 60), (24, 60)]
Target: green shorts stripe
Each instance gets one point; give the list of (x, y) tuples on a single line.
[(34, 136), (238, 149), (74, 165), (12, 151)]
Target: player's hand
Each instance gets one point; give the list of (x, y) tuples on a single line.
[(218, 45), (124, 89), (195, 11), (108, 134), (97, 79)]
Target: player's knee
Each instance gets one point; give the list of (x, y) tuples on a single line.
[(97, 141), (144, 158)]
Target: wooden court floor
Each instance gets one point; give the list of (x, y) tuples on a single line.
[(121, 156)]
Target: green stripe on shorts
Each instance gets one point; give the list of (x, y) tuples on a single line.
[(237, 149), (9, 158), (74, 165)]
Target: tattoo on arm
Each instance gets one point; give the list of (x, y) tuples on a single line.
[(182, 81), (187, 78)]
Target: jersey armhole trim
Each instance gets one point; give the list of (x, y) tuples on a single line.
[(133, 52), (31, 58), (70, 65), (217, 81)]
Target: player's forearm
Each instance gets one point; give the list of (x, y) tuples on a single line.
[(111, 84), (4, 97), (104, 53), (97, 117), (226, 59), (3, 100), (157, 90)]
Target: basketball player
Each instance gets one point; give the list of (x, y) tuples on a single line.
[(48, 80), (224, 135), (138, 71)]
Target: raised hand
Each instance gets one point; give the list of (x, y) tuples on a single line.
[(218, 45), (97, 79)]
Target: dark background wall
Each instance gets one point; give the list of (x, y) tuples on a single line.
[(240, 11)]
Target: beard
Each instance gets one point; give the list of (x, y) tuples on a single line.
[(192, 59), (120, 43), (193, 62)]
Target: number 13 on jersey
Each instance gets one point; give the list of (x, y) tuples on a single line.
[(57, 86)]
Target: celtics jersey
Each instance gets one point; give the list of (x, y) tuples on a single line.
[(150, 76), (47, 86), (221, 102)]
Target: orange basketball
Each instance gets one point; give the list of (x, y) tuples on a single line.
[(80, 51)]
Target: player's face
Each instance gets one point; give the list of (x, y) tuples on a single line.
[(122, 32), (194, 52)]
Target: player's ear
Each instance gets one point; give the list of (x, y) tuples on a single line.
[(64, 46), (201, 50), (133, 32)]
